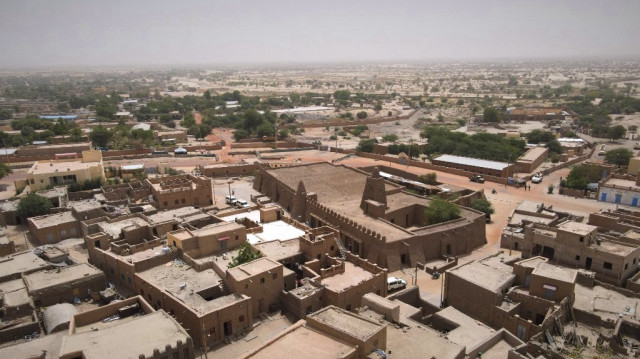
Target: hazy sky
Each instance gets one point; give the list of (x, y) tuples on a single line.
[(151, 32)]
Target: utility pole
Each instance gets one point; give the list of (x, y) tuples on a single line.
[(442, 290), (204, 342)]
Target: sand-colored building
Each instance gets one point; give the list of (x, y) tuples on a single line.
[(55, 173), (138, 332), (523, 299), (531, 159), (580, 245), (376, 219), (53, 286), (180, 191)]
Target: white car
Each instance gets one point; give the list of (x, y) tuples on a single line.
[(241, 203), (394, 283), (536, 179)]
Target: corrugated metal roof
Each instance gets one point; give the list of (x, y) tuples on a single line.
[(468, 161), (132, 167)]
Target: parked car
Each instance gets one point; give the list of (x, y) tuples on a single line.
[(537, 178), (230, 200), (394, 283), (601, 152), (476, 178), (241, 203)]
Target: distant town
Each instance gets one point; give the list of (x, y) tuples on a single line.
[(356, 211)]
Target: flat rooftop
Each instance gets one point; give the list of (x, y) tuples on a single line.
[(172, 276), (347, 323), (475, 162), (128, 339), (279, 250), (15, 293), (351, 276), (412, 342), (275, 231), (469, 332), (582, 229), (252, 215), (9, 205), (60, 276), (60, 168), (562, 274), (518, 219), (617, 248), (174, 214), (533, 154), (253, 268), (619, 182), (114, 229), (532, 262), (606, 303), (19, 263), (484, 276), (50, 220), (302, 342), (85, 205), (43, 347)]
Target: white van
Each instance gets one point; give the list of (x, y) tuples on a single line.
[(230, 200), (242, 203), (394, 283)]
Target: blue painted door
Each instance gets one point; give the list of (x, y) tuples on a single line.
[(618, 198), (634, 202), (603, 197)]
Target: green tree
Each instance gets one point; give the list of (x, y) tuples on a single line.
[(429, 178), (616, 132), (362, 115), (554, 146), (619, 156), (365, 146), (5, 115), (199, 131), (390, 137), (245, 255), (440, 210), (106, 109), (252, 119), (5, 170), (100, 136), (240, 134), (33, 205), (482, 205), (491, 115), (265, 130), (284, 133)]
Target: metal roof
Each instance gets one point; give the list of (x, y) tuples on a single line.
[(132, 167), (7, 151), (55, 117), (468, 161)]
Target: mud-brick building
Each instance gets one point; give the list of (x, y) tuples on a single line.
[(377, 220), (180, 191)]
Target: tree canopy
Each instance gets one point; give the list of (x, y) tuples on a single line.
[(440, 210), (245, 255), (100, 136), (480, 145), (619, 156), (33, 205), (365, 146), (5, 170), (482, 205)]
